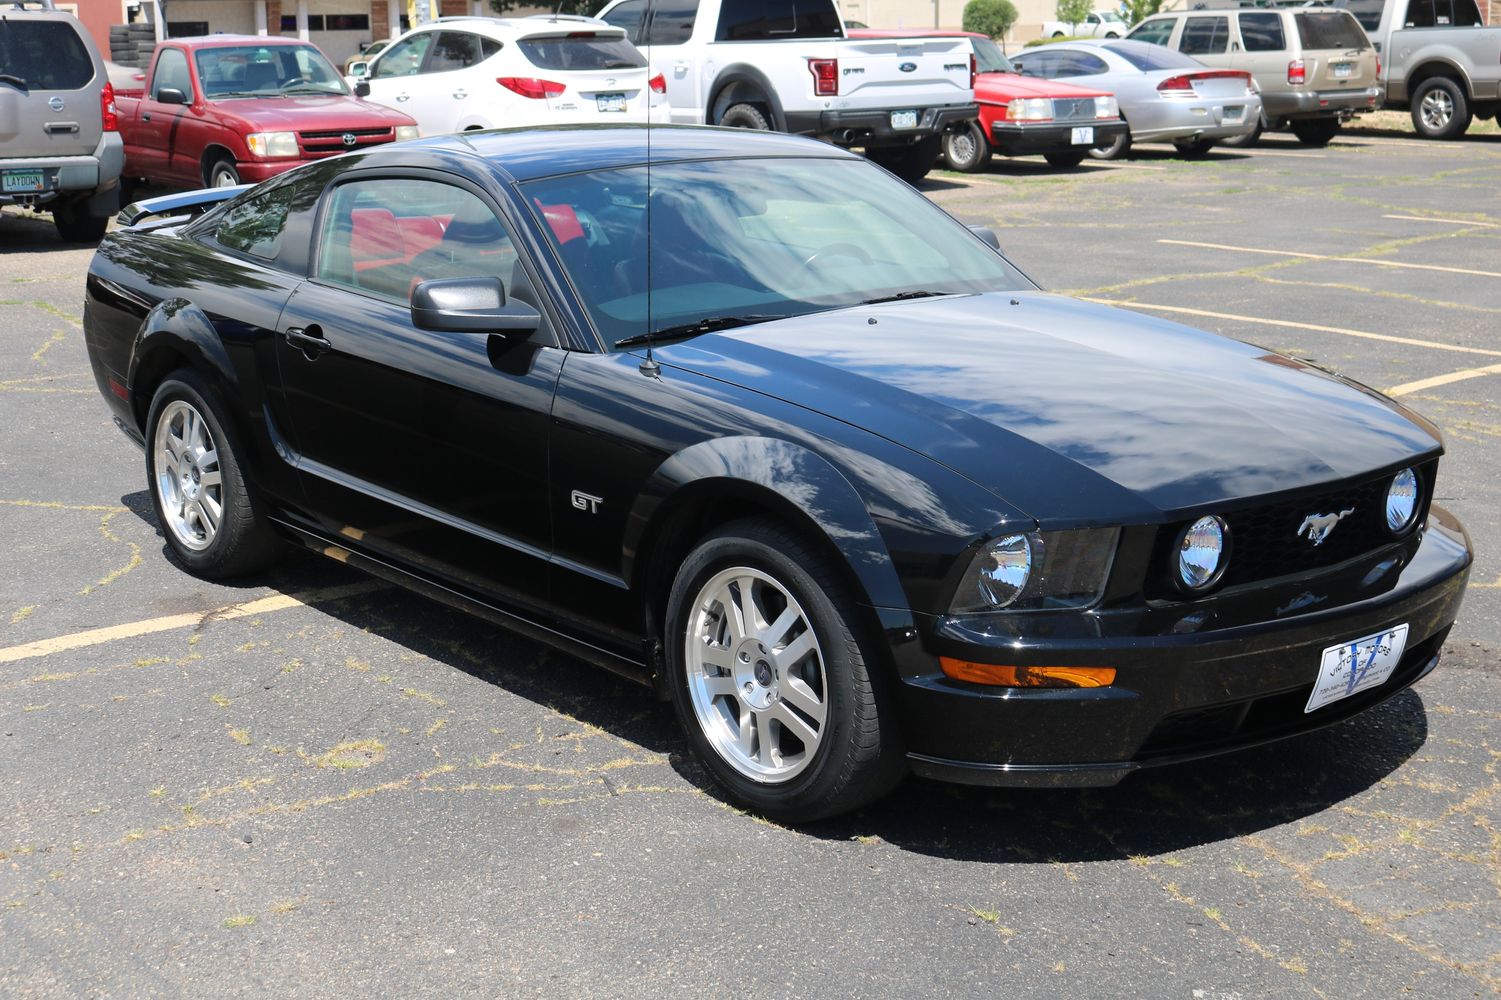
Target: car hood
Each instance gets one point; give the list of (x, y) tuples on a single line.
[(1002, 88), (309, 113), (1070, 411)]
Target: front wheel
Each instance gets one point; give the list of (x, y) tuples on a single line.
[(1117, 148), (770, 677), (967, 150), (1439, 109), (745, 116), (1315, 131), (1245, 140), (1193, 149), (1065, 158), (223, 174)]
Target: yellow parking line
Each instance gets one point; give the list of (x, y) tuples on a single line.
[(1438, 380), (1320, 256), (168, 623), (1452, 222), (1263, 321)]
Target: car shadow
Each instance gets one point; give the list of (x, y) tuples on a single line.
[(32, 233)]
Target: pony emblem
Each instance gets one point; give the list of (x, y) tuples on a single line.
[(1318, 526)]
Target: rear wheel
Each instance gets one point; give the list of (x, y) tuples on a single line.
[(75, 224), (770, 678), (910, 163), (1245, 141), (745, 116), (1315, 131), (222, 173), (1439, 109), (1065, 158), (1117, 148), (1193, 149), (967, 150)]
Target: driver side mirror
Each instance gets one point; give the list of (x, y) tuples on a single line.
[(171, 95), (988, 235), (362, 88), (471, 305)]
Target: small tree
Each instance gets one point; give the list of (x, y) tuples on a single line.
[(1073, 12), (990, 17), (1139, 10), (586, 7)]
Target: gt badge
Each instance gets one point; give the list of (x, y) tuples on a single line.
[(1318, 526), (584, 501)]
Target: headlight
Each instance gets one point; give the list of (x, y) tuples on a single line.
[(405, 132), (1402, 501), (272, 144), (1201, 553), (1030, 109), (1106, 107), (1037, 571)]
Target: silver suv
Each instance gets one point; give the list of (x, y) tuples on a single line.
[(1315, 66), (59, 138)]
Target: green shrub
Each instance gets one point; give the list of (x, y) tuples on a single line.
[(989, 17)]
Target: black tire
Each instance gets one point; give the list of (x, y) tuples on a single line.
[(221, 173), (244, 540), (967, 151), (910, 163), (1194, 149), (745, 116), (1057, 34), (1315, 131), (1066, 159), (1246, 141), (75, 224), (858, 757), (1440, 109), (1117, 149)]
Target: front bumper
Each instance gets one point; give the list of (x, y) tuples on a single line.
[(872, 127), (1019, 139), (255, 171), (1186, 687), (1320, 103)]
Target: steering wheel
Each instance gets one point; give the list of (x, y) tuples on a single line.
[(296, 81), (838, 250)]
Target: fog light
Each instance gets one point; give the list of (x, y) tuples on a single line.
[(1201, 553), (1402, 501)]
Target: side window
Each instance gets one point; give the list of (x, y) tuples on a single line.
[(385, 235), (1205, 36), (1467, 14), (1081, 64), (628, 16), (1041, 64), (171, 71), (1153, 32), (1092, 19), (456, 50), (1262, 32), (671, 22), (255, 225), (758, 20), (404, 58)]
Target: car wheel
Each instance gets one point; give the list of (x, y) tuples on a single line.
[(967, 150), (1193, 149), (1057, 34), (745, 116), (910, 163), (1116, 149), (1111, 34), (1065, 158), (770, 677), (223, 174), (1439, 109), (207, 509), (1315, 131), (75, 224), (1245, 141)]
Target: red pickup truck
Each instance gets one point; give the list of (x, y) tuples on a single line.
[(236, 109)]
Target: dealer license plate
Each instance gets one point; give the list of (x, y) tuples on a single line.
[(23, 180), (1357, 665), (1342, 70), (904, 119), (610, 102), (1084, 136)]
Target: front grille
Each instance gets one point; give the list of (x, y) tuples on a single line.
[(1265, 543), (1075, 109), (327, 143)]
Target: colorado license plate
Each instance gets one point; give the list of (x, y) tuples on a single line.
[(23, 180), (610, 102), (1357, 665), (904, 119), (1084, 136), (1342, 70)]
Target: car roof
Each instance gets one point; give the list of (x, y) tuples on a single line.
[(215, 41), (529, 153), (530, 25)]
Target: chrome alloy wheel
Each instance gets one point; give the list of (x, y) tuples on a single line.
[(1437, 109), (189, 483), (964, 148), (756, 675)]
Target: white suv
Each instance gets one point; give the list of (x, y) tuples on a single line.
[(461, 73)]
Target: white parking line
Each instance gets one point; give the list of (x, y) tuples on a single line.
[(1348, 260), (1438, 380), (168, 623), (1263, 321), (1452, 222)]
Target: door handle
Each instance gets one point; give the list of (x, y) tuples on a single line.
[(145, 116), (680, 69), (307, 340), (403, 97), (459, 95)]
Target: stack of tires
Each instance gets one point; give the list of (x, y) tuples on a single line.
[(132, 44)]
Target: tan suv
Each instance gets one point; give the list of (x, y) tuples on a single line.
[(1315, 66), (59, 137)]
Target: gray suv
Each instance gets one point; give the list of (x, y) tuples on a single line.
[(60, 143)]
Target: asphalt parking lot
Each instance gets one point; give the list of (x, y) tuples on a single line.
[(311, 785)]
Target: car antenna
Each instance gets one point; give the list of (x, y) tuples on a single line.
[(649, 367)]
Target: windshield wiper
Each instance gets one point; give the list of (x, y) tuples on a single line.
[(697, 327), (312, 90), (899, 296), (14, 81)]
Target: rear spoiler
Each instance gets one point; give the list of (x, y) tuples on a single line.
[(186, 204)]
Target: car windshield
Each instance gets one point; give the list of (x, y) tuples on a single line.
[(1147, 57), (265, 70), (43, 55), (1331, 29), (1111, 16), (730, 242), (989, 58)]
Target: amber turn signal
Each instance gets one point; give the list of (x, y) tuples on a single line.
[(1027, 677)]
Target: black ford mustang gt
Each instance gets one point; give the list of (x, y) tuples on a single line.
[(746, 418)]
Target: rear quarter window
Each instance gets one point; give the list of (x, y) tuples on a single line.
[(1151, 57), (581, 53), (255, 225), (48, 55), (1205, 36), (1261, 31), (1331, 29), (756, 20)]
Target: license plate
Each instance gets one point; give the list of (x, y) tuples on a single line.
[(1357, 665), (23, 180), (1342, 70), (904, 119), (1084, 136), (610, 102), (1233, 114)]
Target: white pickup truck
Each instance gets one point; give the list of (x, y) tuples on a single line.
[(787, 65), (1098, 24)]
